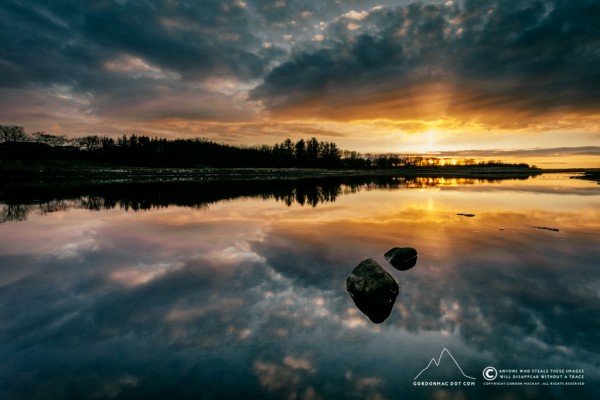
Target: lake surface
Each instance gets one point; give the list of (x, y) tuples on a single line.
[(237, 290)]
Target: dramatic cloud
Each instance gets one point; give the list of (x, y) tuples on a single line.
[(483, 59), (76, 41), (378, 73)]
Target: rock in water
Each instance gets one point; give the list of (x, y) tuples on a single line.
[(402, 258), (377, 312), (370, 283)]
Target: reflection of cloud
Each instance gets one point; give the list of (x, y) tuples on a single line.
[(141, 273), (286, 377), (462, 297), (451, 292), (366, 386), (274, 377), (196, 313), (234, 255), (354, 322), (87, 242), (114, 387), (224, 309), (298, 363)]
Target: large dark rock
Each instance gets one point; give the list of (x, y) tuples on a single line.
[(370, 283), (402, 258)]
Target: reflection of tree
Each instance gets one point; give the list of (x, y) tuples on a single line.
[(431, 182), (14, 212), (96, 203), (310, 195), (197, 194), (53, 206)]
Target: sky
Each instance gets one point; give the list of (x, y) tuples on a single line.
[(514, 79)]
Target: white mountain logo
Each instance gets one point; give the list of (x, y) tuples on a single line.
[(439, 360)]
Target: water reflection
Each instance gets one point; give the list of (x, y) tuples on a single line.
[(376, 312), (246, 298), (21, 200), (18, 212)]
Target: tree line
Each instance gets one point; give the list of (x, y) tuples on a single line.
[(143, 150), (140, 150)]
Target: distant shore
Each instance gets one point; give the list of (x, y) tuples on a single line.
[(590, 175), (16, 171), (60, 171)]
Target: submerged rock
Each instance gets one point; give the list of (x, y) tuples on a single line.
[(370, 283), (377, 312), (402, 258)]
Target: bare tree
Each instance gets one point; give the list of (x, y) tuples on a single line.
[(89, 143), (12, 134), (50, 140)]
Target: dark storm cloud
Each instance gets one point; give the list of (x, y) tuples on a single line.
[(67, 62), (503, 55), (119, 59), (192, 38), (70, 41)]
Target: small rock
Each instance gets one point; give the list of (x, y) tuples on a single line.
[(401, 258), (370, 283), (546, 228)]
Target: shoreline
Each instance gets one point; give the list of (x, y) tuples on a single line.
[(49, 173), (35, 171)]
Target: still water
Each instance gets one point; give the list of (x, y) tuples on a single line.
[(237, 290)]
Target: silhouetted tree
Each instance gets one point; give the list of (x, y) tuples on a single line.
[(50, 140), (352, 159), (312, 152), (106, 141), (300, 152), (146, 151), (331, 155), (89, 143), (122, 141), (12, 134)]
